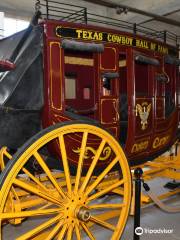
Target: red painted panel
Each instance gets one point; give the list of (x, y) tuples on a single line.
[(108, 59), (108, 111), (160, 113)]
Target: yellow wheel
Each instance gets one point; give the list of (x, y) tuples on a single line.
[(57, 205)]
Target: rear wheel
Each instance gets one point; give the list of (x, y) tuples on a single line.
[(58, 205)]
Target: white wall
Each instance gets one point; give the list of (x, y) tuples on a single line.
[(1, 24)]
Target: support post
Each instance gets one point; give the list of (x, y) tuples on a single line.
[(135, 29), (85, 16), (47, 9), (137, 212), (165, 36)]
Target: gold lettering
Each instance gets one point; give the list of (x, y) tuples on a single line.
[(139, 147), (96, 36), (90, 35), (162, 49), (120, 39), (158, 142), (100, 36), (123, 40), (130, 41), (141, 44), (113, 38), (85, 34), (109, 37), (79, 32), (153, 46)]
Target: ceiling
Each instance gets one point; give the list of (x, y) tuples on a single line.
[(169, 8)]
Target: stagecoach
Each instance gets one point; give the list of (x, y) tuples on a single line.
[(81, 105)]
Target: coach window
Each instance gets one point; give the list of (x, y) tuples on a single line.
[(79, 81), (70, 87), (141, 78), (160, 85), (107, 88), (109, 83)]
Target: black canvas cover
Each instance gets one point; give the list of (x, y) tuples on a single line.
[(21, 89), (9, 44)]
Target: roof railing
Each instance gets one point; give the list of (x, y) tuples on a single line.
[(72, 13), (61, 11)]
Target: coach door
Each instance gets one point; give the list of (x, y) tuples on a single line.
[(165, 103), (108, 90), (142, 109), (144, 98)]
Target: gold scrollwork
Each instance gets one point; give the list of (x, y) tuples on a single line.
[(143, 110), (106, 153)]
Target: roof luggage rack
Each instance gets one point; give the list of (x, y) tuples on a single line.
[(72, 13)]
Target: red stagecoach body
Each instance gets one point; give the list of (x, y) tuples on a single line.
[(130, 88)]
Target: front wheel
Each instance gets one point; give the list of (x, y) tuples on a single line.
[(57, 205)]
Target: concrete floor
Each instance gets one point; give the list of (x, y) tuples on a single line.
[(151, 218), (154, 218)]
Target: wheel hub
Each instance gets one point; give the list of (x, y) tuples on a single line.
[(75, 209), (83, 214)]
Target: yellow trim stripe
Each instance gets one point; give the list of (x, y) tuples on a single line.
[(51, 76), (79, 61)]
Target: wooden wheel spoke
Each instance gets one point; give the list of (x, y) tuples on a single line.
[(101, 176), (32, 213), (102, 223), (54, 231), (87, 231), (48, 172), (70, 232), (30, 188), (14, 193), (92, 166), (2, 164), (34, 179), (77, 231), (106, 206), (80, 162), (63, 232), (39, 229), (46, 205), (106, 190), (65, 162)]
